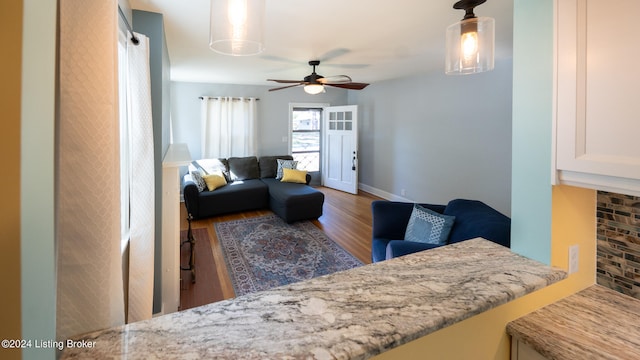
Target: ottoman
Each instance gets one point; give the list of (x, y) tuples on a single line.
[(294, 202)]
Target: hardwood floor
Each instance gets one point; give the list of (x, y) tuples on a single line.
[(346, 220)]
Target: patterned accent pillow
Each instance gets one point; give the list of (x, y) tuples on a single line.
[(428, 226), (289, 164), (197, 178)]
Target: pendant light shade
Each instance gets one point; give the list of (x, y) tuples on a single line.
[(470, 42), (237, 27)]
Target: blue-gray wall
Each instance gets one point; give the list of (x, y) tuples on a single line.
[(37, 272), (438, 137), (532, 125), (151, 24)]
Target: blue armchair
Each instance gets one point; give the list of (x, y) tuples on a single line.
[(472, 219)]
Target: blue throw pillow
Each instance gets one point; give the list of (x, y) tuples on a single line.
[(428, 226)]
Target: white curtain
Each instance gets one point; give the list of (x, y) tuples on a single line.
[(88, 259), (141, 182), (229, 127)]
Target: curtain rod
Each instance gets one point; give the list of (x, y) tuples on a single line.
[(134, 39), (233, 98)]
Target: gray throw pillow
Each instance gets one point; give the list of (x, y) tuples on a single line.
[(243, 168), (428, 226)]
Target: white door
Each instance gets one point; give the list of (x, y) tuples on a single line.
[(340, 148)]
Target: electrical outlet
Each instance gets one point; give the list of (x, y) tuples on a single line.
[(403, 192), (573, 259)]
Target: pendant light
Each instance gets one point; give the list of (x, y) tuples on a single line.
[(470, 42), (237, 27)]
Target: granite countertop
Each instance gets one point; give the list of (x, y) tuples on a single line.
[(596, 323), (354, 314)]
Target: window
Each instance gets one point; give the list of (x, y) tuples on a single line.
[(305, 136)]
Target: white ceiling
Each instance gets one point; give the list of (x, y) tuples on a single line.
[(367, 40)]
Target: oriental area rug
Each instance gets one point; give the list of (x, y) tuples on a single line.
[(265, 252)]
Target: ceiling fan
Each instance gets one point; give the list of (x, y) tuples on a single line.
[(314, 83)]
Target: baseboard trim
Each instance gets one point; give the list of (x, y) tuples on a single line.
[(381, 193)]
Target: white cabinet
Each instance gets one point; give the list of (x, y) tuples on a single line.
[(522, 351), (597, 125)]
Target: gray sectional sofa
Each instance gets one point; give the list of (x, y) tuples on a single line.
[(251, 184)]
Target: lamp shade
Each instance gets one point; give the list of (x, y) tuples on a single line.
[(470, 46), (237, 27)]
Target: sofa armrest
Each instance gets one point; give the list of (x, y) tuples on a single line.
[(191, 194), (390, 218), (397, 248), (308, 178)]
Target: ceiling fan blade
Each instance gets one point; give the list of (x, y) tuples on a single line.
[(332, 54), (337, 79), (286, 87), (280, 59), (350, 86), (347, 66), (286, 81)]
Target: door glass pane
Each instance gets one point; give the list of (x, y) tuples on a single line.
[(305, 137), (303, 120), (305, 141), (348, 125), (340, 125), (348, 115), (341, 116), (308, 161)]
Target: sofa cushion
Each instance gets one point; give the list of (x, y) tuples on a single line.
[(269, 165), (294, 176), (396, 248), (428, 226), (215, 180), (293, 202), (477, 219), (243, 168), (289, 164), (236, 196)]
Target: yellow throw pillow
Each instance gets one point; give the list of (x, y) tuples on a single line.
[(294, 176), (214, 180)]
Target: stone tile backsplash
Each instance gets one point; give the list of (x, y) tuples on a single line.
[(618, 236)]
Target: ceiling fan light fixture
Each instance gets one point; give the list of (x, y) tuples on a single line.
[(315, 84), (237, 27), (470, 43), (314, 89)]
